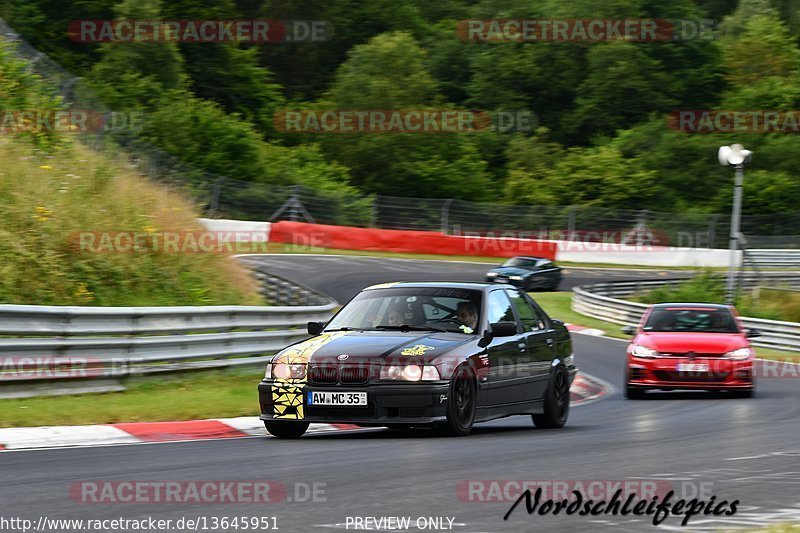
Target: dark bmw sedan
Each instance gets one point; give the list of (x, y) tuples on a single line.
[(423, 354), (527, 273)]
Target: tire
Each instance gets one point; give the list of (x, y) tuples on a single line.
[(634, 393), (461, 402), (743, 393), (556, 402), (286, 430)]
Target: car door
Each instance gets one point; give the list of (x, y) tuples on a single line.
[(549, 273), (504, 383), (539, 340)]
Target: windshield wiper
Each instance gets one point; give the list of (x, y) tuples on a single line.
[(345, 328), (409, 327)]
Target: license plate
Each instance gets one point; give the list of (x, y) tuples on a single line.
[(692, 367), (502, 280), (337, 399)]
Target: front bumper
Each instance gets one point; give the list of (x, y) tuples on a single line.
[(387, 403), (663, 374), (507, 281)]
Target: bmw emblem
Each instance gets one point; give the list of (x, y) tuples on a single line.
[(342, 357)]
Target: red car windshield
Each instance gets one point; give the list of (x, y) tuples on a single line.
[(708, 320)]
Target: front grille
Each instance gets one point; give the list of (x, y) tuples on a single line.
[(690, 377), (323, 374), (693, 355), (345, 374), (354, 374)]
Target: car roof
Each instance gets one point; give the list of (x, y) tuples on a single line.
[(428, 284), (690, 304), (532, 258)]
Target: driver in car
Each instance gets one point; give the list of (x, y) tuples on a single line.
[(467, 315), (395, 317)]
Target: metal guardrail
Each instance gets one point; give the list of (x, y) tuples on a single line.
[(773, 258), (604, 301), (82, 344)]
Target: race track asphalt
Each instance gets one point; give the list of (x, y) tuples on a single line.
[(341, 277), (745, 449)]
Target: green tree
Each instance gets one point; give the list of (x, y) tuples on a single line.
[(389, 73), (623, 86), (762, 50), (137, 74)]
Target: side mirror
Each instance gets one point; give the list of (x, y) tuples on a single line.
[(504, 329), (752, 332), (497, 329), (315, 328), (629, 330)]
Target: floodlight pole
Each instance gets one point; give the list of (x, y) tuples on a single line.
[(730, 292)]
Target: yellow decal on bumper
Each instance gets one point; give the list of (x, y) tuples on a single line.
[(287, 394)]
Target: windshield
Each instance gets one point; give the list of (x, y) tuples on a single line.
[(709, 320), (428, 308), (520, 262)]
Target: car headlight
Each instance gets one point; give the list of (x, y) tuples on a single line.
[(410, 373), (643, 352), (287, 371), (491, 274), (516, 278), (740, 354)]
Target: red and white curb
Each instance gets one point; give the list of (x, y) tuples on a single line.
[(574, 328), (584, 389)]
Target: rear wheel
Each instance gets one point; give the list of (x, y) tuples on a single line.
[(556, 402), (634, 393), (461, 402), (286, 430)]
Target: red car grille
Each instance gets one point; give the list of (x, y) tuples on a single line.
[(686, 377), (694, 355)]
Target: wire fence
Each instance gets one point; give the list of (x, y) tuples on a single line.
[(224, 196)]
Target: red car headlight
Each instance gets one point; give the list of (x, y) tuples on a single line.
[(740, 355), (643, 352)]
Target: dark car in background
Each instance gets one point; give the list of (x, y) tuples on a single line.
[(527, 273), (423, 354)]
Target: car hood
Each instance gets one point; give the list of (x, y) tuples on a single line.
[(512, 271), (674, 342), (367, 347)]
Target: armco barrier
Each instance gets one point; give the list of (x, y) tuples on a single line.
[(604, 301), (81, 345), (786, 258), (426, 242)]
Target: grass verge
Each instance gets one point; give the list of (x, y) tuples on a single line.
[(279, 248), (211, 394), (51, 202)]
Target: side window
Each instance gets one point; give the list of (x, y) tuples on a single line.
[(500, 308), (528, 315)]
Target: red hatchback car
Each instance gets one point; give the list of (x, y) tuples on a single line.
[(689, 346)]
